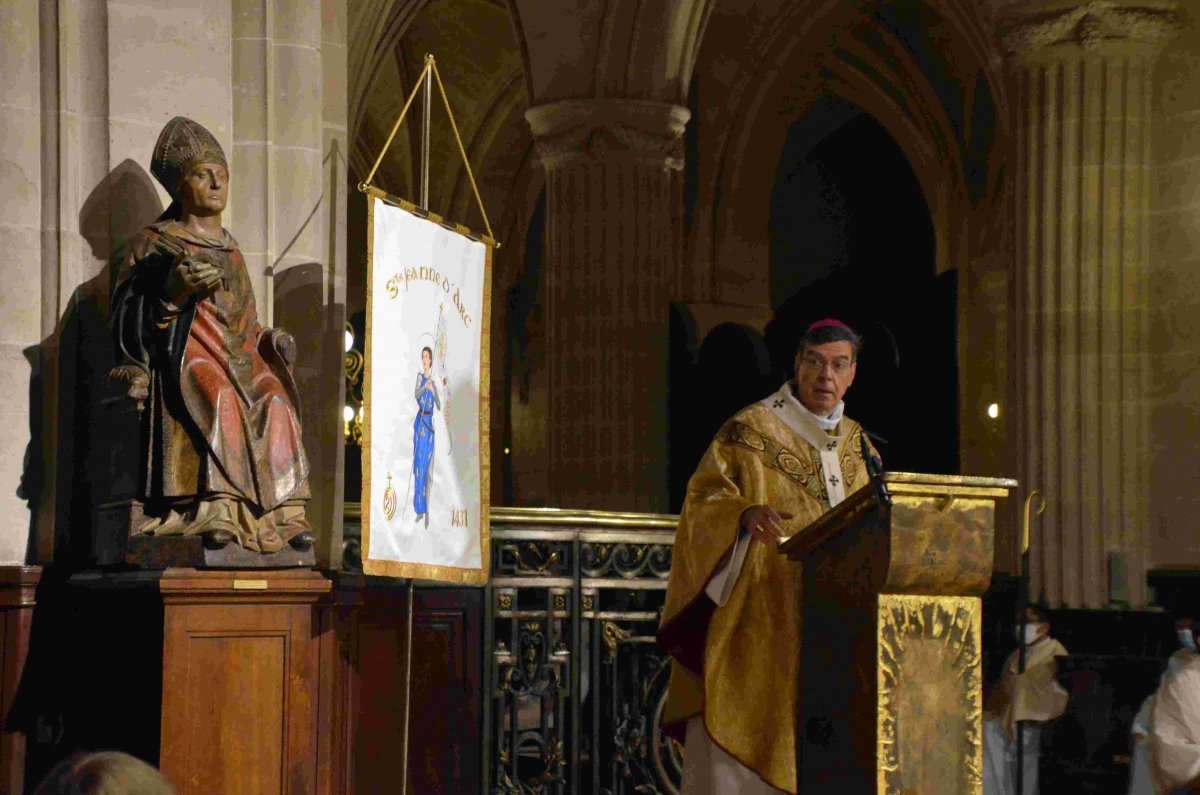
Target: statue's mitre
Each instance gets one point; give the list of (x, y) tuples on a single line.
[(182, 145)]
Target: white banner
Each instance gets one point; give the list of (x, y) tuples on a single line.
[(425, 433)]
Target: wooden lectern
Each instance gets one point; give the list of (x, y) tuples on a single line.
[(890, 680)]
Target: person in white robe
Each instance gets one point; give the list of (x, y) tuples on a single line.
[(1174, 730), (1141, 782), (1029, 700)]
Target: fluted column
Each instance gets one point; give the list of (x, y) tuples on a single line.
[(611, 258), (1081, 75)]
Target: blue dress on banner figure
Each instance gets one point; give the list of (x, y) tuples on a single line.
[(427, 397)]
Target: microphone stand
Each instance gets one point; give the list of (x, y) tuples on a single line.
[(875, 471)]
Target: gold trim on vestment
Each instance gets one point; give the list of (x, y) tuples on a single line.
[(798, 467)]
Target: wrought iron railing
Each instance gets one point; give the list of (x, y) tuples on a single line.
[(576, 679), (574, 682)]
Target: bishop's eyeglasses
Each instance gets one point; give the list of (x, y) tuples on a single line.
[(814, 364)]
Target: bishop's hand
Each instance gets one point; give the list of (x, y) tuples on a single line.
[(764, 523), (190, 276)]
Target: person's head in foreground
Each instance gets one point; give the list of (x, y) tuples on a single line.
[(104, 773)]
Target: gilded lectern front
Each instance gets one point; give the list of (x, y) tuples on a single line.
[(890, 679)]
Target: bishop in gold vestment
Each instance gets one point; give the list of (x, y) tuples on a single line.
[(731, 619)]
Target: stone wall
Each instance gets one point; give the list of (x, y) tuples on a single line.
[(1174, 322)]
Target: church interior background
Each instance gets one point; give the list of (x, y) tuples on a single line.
[(997, 193)]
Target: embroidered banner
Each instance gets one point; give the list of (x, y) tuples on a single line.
[(425, 421)]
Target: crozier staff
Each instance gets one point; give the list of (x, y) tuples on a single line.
[(731, 618)]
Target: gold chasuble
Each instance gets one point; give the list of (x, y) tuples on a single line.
[(736, 664)]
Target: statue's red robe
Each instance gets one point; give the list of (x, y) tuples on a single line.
[(223, 406)]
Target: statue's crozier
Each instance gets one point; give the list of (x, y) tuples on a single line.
[(223, 457)]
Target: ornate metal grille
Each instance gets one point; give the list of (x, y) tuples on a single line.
[(576, 681), (573, 682)]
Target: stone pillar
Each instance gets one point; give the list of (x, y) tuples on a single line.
[(1081, 77), (20, 239), (611, 263), (288, 211), (277, 137), (21, 327), (1175, 303)]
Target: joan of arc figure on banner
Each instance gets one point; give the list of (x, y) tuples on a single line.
[(427, 397)]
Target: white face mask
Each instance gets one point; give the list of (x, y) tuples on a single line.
[(1031, 631), (1186, 639)]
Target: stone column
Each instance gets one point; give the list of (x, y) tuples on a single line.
[(1081, 77), (277, 137), (287, 211), (20, 239), (611, 262)]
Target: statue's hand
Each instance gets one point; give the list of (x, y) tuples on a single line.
[(285, 346), (135, 380), (191, 276), (280, 343)]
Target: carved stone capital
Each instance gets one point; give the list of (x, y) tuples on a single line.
[(603, 129), (1091, 25)]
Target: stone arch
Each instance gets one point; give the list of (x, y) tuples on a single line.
[(871, 58), (637, 50), (929, 71)]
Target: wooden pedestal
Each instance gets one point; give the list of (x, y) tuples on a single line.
[(362, 672), (18, 585), (269, 682), (240, 670)]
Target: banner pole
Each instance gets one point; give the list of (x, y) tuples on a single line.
[(425, 133), (408, 621), (408, 636), (1023, 620)]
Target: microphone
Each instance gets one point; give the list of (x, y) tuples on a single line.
[(874, 469)]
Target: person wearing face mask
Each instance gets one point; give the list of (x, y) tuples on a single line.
[(1030, 699), (1174, 725), (1141, 781)]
